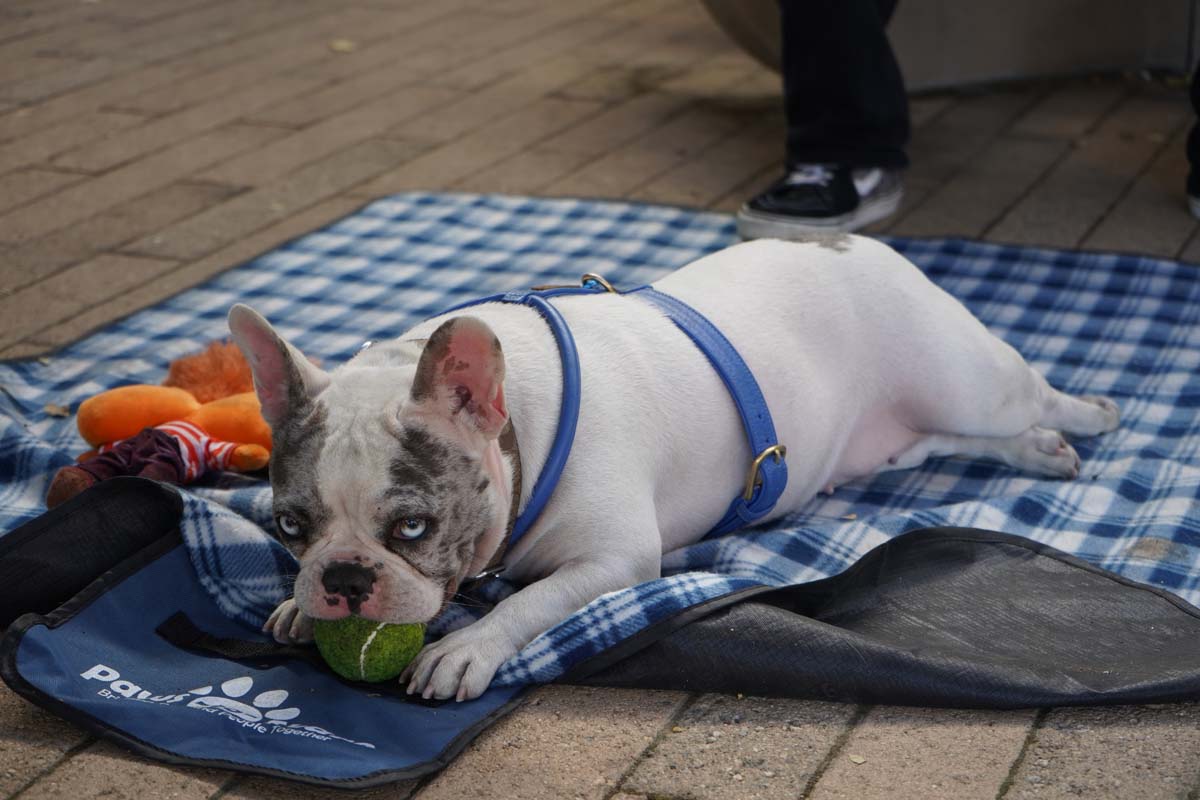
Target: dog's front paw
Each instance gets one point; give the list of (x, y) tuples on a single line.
[(288, 624), (459, 665)]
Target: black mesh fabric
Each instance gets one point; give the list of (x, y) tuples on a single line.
[(940, 617), (48, 560)]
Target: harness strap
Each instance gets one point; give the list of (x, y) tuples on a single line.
[(568, 412), (767, 476)]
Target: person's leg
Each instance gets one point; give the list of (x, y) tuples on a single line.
[(847, 115), (843, 92)]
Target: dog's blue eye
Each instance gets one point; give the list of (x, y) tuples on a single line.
[(411, 528), (289, 526)]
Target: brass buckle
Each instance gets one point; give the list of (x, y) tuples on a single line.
[(591, 276), (752, 478)]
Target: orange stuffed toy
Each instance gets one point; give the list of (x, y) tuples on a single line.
[(166, 432)]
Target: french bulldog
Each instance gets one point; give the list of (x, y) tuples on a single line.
[(395, 474)]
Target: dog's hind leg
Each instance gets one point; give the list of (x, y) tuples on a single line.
[(985, 388), (1036, 450), (1086, 415)]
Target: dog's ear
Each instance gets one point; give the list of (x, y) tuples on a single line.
[(283, 378), (461, 375)]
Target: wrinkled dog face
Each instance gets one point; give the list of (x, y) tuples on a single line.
[(386, 479)]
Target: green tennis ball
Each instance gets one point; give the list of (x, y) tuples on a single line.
[(365, 650)]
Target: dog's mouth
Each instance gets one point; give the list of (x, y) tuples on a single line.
[(394, 600)]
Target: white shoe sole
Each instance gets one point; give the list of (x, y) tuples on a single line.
[(753, 224)]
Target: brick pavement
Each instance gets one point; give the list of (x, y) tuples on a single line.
[(146, 145)]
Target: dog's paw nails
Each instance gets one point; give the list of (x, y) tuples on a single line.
[(458, 667)]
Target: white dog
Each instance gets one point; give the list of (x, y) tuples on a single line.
[(394, 474)]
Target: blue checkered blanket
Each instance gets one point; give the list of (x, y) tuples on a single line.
[(1119, 325)]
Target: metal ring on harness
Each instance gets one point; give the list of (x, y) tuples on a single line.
[(591, 277), (752, 479)]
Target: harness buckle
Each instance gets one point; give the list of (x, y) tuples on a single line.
[(753, 479), (592, 277), (589, 277)]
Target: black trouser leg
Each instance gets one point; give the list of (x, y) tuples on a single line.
[(1193, 142), (844, 95)]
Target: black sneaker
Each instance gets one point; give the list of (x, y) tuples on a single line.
[(819, 197)]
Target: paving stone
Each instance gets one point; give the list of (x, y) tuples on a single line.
[(610, 83), (207, 231), (187, 276), (31, 740), (927, 753), (32, 261), (617, 125), (738, 195), (481, 109), (729, 748), (196, 20), (29, 119), (923, 109), (623, 170), (1077, 194), (711, 173), (986, 187), (310, 48), (20, 23), (1153, 217), (123, 48), (942, 149), (471, 32), (18, 188), (307, 47), (18, 351), (104, 770), (274, 789), (48, 42), (1191, 250), (507, 136), (178, 127), (1130, 752), (45, 144), (120, 88), (141, 177), (325, 103), (283, 155), (709, 78), (67, 76), (509, 45), (547, 77), (1071, 111), (527, 172), (69, 292), (986, 184), (577, 31), (25, 69), (203, 26), (564, 742)]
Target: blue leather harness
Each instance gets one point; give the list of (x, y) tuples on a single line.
[(767, 475)]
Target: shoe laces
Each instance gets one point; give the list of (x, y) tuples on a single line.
[(809, 174)]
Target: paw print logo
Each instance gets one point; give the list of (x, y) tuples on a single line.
[(265, 705)]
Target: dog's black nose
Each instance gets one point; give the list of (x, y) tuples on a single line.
[(352, 581)]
